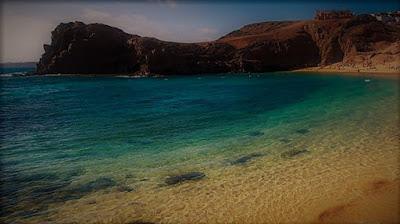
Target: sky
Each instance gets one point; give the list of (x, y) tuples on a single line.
[(25, 26)]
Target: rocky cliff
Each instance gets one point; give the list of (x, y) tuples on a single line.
[(78, 48)]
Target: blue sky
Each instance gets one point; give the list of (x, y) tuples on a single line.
[(26, 26)]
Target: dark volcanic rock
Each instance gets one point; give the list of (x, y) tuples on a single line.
[(140, 222), (276, 55), (95, 185), (124, 188), (80, 48), (284, 140), (244, 159), (101, 49), (293, 153), (184, 177), (302, 131), (80, 191), (94, 48)]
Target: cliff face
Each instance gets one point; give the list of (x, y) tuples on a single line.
[(94, 48), (77, 48), (160, 57)]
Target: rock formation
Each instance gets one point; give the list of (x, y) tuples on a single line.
[(77, 48)]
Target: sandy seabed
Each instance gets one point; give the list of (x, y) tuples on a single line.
[(341, 180)]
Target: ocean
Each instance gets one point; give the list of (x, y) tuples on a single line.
[(191, 149)]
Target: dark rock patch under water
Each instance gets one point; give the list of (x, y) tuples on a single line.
[(125, 188), (80, 191), (302, 131), (25, 214), (172, 180), (244, 159), (100, 183), (140, 222), (128, 176), (44, 192), (38, 177), (284, 140), (47, 189), (293, 153), (75, 173), (28, 195), (91, 202), (255, 133)]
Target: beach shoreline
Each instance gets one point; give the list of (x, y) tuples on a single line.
[(351, 70), (328, 157), (344, 170), (261, 193)]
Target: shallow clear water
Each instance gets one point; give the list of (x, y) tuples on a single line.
[(66, 137)]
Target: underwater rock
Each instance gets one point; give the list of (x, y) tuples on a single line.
[(78, 192), (184, 177), (91, 202), (68, 195), (39, 177), (140, 222), (255, 133), (284, 140), (45, 191), (95, 185), (76, 172), (48, 192), (82, 190), (293, 153), (124, 188), (302, 131), (31, 213), (128, 176), (244, 159)]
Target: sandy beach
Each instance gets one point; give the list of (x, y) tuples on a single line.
[(378, 70)]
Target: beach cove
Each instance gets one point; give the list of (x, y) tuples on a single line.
[(261, 148)]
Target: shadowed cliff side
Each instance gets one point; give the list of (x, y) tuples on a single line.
[(94, 48), (77, 48)]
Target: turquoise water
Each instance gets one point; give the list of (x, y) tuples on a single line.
[(64, 134)]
